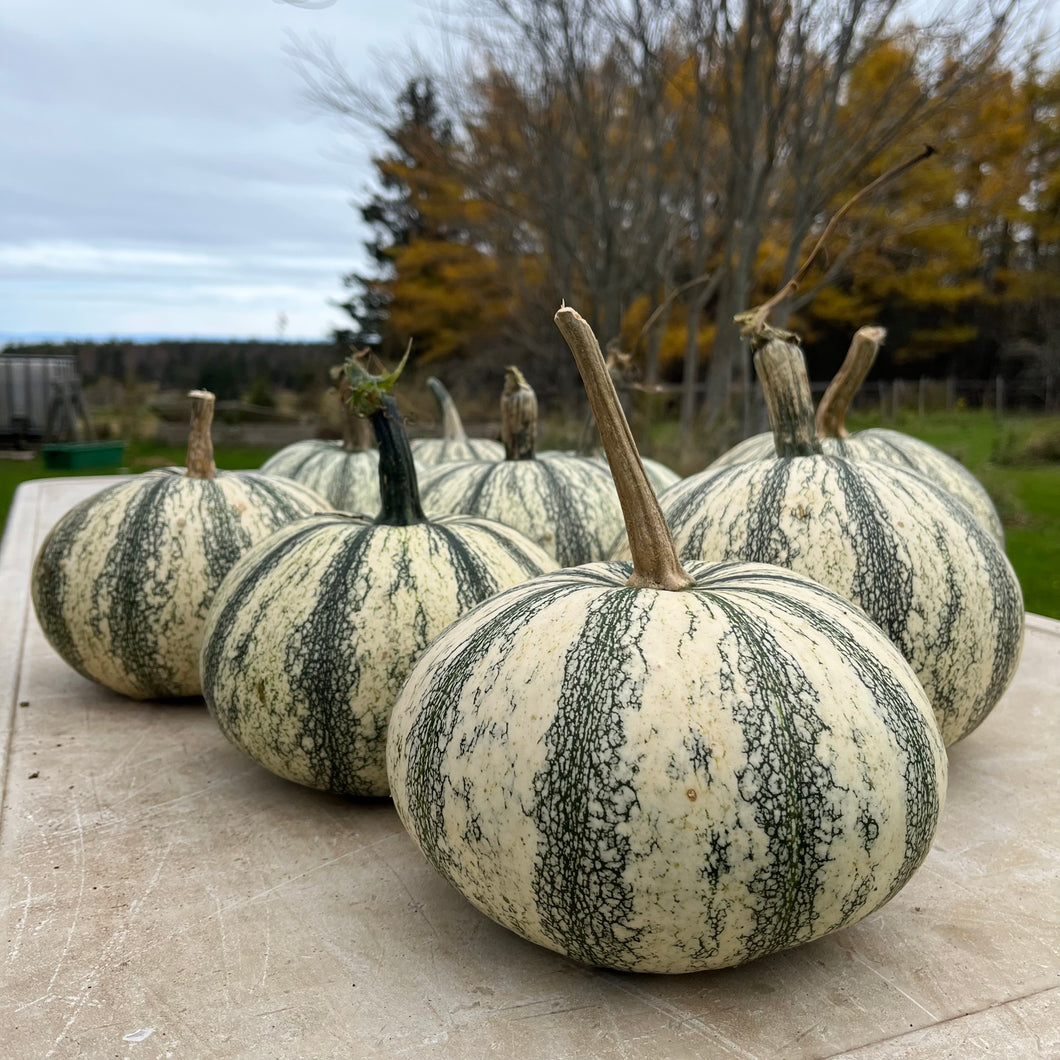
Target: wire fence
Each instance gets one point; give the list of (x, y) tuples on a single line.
[(890, 397)]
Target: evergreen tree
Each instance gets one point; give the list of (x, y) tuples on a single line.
[(419, 138)]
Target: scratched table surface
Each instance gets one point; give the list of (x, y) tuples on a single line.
[(164, 896)]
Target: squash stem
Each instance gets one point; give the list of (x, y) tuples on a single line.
[(789, 401), (655, 562), (452, 425), (518, 417), (356, 433), (832, 410), (370, 395), (200, 463), (398, 486)]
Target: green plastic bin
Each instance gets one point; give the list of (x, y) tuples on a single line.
[(77, 456)]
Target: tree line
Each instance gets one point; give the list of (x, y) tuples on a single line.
[(232, 370), (664, 166)]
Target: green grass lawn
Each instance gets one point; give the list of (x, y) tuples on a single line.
[(139, 456), (1025, 490)]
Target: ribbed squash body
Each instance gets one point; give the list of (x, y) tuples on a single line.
[(757, 447), (910, 554), (659, 475), (454, 445), (889, 447), (430, 452), (566, 504), (314, 631), (347, 479), (123, 582), (668, 781)]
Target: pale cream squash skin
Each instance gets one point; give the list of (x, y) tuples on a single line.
[(896, 545), (313, 633), (454, 446), (123, 582), (566, 504), (430, 452), (347, 480), (890, 447), (655, 756)]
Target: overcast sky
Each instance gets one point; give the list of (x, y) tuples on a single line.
[(163, 174)]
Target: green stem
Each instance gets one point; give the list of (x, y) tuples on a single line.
[(655, 562), (369, 395), (789, 400), (356, 434), (398, 486)]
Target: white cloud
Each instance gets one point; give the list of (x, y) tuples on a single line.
[(69, 259), (78, 258), (245, 310), (160, 155)]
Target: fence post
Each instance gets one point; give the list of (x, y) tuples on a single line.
[(999, 396), (921, 397), (896, 392), (951, 392)]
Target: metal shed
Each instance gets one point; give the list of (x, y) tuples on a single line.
[(40, 399)]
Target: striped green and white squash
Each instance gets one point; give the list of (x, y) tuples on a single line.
[(314, 631), (657, 770), (757, 447), (122, 583), (347, 479), (345, 474), (566, 504), (659, 475), (454, 445), (877, 443), (909, 553)]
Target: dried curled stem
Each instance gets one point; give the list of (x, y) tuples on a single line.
[(754, 323)]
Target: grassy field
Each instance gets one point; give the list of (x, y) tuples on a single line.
[(139, 456), (1017, 459), (1008, 457)]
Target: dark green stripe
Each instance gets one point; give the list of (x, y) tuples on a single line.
[(862, 447), (888, 696), (52, 582), (131, 579), (323, 665), (223, 651), (432, 732), (581, 882), (785, 785), (884, 568), (300, 460)]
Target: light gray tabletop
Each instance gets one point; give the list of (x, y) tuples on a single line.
[(164, 896)]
